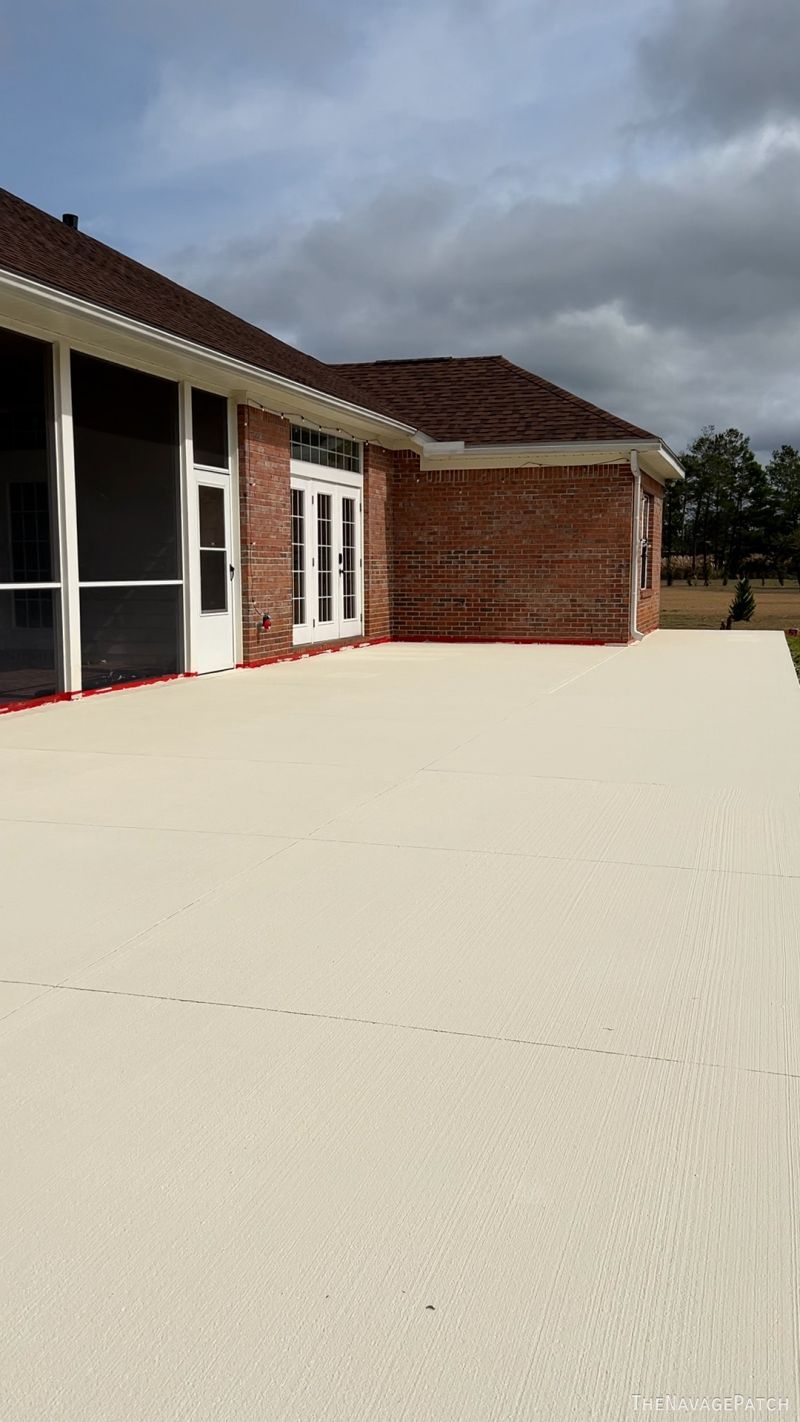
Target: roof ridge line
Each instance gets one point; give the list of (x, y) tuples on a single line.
[(410, 360), (544, 384)]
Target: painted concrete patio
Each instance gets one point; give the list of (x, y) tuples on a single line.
[(412, 1033)]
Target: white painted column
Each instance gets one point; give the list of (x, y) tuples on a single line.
[(236, 540), (190, 572), (67, 518)]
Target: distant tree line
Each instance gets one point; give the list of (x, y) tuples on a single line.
[(733, 515)]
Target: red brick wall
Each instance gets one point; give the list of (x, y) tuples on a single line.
[(378, 550), (265, 512), (528, 553), (477, 554), (648, 611)]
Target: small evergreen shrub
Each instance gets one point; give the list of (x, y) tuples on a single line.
[(744, 604)]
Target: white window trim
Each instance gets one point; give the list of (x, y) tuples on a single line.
[(647, 517), (302, 469), (327, 434)]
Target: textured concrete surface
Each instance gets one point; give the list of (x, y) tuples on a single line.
[(412, 1033)]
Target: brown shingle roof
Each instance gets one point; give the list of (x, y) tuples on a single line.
[(478, 399), (34, 244), (486, 400)]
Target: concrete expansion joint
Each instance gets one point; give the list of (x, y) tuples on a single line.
[(499, 1038)]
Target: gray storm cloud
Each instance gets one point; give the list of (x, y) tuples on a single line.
[(667, 289), (725, 65)]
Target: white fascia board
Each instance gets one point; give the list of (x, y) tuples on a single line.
[(248, 378), (672, 462), (657, 459), (434, 448)]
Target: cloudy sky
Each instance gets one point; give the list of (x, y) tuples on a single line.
[(608, 193)]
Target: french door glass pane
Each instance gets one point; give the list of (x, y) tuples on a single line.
[(213, 549), (129, 634), (348, 559), (298, 557), (29, 640), (324, 558)]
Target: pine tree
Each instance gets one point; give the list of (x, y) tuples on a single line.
[(744, 604), (783, 473), (723, 480)]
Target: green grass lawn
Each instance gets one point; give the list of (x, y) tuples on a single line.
[(777, 608)]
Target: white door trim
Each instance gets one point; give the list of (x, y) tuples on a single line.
[(236, 533), (212, 627), (209, 647), (338, 485)]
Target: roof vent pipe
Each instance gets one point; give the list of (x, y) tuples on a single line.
[(70, 219)]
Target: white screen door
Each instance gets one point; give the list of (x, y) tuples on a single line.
[(212, 621), (326, 561)]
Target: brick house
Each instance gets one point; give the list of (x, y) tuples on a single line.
[(184, 493)]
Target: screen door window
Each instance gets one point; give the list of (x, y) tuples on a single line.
[(213, 549)]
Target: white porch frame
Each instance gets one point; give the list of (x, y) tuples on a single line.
[(64, 446), (68, 583)]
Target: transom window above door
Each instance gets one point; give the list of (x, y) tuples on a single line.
[(332, 451), (210, 429)]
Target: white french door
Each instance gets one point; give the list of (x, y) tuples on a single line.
[(326, 560), (213, 572)]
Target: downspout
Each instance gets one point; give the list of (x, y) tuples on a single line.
[(636, 546)]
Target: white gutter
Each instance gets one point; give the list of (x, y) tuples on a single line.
[(636, 545), (75, 305), (432, 448)]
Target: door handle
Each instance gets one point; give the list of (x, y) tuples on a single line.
[(231, 571)]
